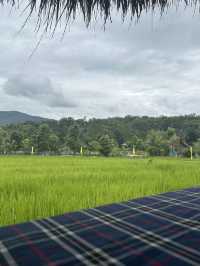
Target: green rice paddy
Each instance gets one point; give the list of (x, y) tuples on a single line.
[(36, 187)]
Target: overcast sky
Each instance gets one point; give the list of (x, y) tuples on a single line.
[(151, 68)]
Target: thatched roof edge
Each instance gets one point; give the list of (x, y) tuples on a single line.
[(50, 12)]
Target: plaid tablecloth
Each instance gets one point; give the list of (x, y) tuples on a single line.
[(156, 230)]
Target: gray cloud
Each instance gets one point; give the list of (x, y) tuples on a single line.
[(36, 88), (152, 68)]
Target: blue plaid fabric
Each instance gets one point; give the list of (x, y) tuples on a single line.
[(156, 230)]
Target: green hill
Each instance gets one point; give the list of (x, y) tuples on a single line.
[(14, 117)]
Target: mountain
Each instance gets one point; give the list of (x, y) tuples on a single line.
[(15, 117)]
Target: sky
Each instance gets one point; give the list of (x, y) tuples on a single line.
[(147, 68)]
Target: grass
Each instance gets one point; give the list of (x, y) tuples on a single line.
[(36, 187)]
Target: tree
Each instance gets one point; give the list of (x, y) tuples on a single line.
[(63, 127), (16, 140), (4, 141), (106, 145), (53, 142), (73, 140), (156, 144), (196, 147), (156, 135), (43, 138), (137, 142), (94, 145), (171, 132), (27, 144), (174, 143), (118, 136), (192, 133)]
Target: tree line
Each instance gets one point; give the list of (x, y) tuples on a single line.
[(155, 136)]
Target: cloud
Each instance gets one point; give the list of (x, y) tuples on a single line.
[(36, 88), (151, 68)]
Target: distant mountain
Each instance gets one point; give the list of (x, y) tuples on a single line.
[(14, 117)]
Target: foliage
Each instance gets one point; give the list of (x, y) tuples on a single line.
[(106, 144), (158, 136), (196, 147)]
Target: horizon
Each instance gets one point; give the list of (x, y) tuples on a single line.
[(108, 117)]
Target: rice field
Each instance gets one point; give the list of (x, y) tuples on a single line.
[(36, 187)]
